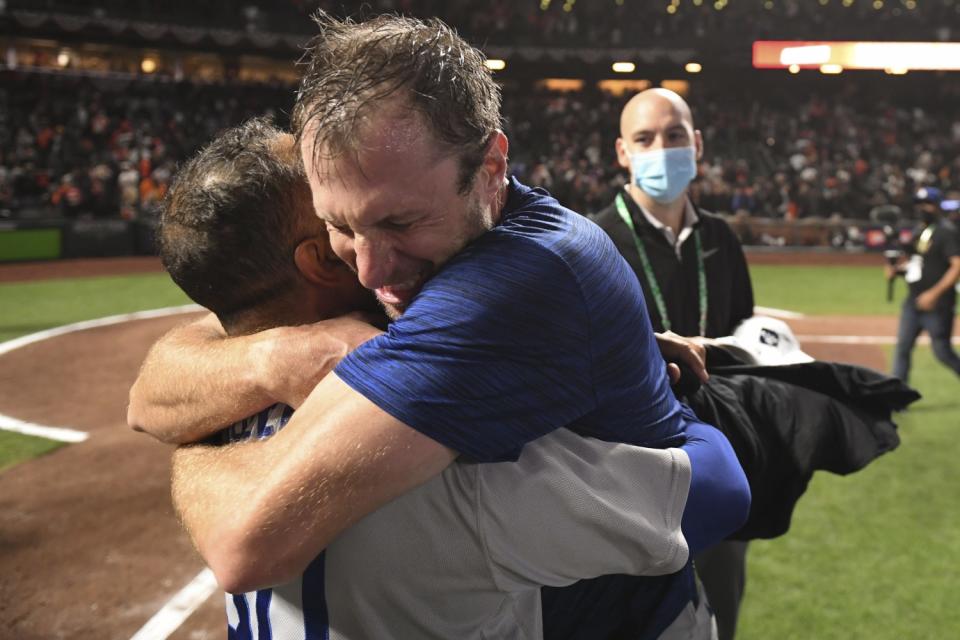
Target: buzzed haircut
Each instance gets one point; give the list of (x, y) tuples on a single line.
[(233, 218), (351, 67)]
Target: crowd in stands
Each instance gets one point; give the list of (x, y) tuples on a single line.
[(75, 146), (565, 23), (79, 146), (839, 154)]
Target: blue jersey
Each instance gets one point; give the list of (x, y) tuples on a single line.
[(536, 325)]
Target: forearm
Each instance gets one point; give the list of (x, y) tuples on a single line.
[(195, 381), (260, 512)]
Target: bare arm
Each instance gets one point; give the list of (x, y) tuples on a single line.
[(339, 458), (195, 380)]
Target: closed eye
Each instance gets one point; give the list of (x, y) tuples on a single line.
[(341, 229), (395, 226)]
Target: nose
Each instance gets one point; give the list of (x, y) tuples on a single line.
[(375, 260)]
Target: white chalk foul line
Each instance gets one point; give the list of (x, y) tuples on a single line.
[(778, 313), (870, 340), (186, 601), (179, 608), (61, 434), (23, 341), (64, 434)]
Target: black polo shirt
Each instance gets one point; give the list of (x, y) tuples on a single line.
[(729, 291), (942, 245)]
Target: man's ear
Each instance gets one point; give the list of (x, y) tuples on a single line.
[(493, 171), (622, 156), (316, 261), (698, 143)]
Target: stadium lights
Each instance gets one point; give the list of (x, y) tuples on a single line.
[(693, 67), (896, 71), (495, 65), (148, 65), (63, 58), (624, 67), (831, 69), (794, 68)]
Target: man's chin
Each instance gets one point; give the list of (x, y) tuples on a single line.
[(393, 311)]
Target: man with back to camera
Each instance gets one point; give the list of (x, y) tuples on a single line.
[(691, 267), (466, 552), (931, 270), (496, 290)]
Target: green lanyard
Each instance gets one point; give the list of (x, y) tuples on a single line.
[(652, 278)]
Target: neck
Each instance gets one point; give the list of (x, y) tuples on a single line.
[(669, 214), (292, 309), (500, 202)]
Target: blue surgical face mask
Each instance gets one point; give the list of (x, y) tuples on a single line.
[(663, 174)]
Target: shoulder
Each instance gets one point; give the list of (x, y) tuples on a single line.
[(607, 218), (535, 225)]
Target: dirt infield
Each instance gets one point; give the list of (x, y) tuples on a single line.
[(91, 548), (91, 545), (28, 271), (824, 258)]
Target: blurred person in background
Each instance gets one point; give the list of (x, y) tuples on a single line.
[(690, 265), (931, 268)]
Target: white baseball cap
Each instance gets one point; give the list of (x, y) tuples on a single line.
[(767, 340)]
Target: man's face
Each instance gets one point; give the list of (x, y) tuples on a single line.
[(654, 123), (393, 210), (927, 211)]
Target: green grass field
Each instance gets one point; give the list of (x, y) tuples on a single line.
[(872, 555), (829, 290), (35, 306)]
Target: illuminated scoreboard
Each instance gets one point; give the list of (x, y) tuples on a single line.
[(894, 57)]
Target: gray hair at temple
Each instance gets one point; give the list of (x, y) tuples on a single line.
[(233, 217)]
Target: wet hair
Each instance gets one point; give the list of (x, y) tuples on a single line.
[(233, 218), (351, 67)]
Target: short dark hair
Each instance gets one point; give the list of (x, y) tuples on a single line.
[(233, 218), (352, 66)]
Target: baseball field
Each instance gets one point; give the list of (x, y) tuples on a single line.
[(91, 547)]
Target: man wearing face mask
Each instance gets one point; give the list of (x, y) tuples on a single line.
[(690, 265), (931, 271)]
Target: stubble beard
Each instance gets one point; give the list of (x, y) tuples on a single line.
[(477, 224)]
